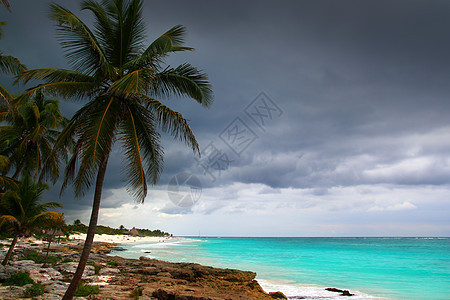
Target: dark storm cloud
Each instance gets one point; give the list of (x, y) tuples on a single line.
[(363, 85)]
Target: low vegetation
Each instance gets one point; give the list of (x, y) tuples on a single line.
[(79, 227), (34, 291), (85, 290), (18, 279), (112, 263), (39, 258)]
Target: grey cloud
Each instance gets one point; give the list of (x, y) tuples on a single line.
[(363, 87)]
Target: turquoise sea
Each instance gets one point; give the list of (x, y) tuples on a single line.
[(372, 268)]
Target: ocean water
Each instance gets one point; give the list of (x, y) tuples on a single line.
[(372, 268)]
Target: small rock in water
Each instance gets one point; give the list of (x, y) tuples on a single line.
[(343, 292), (277, 295)]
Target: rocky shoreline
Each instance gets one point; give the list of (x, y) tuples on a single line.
[(120, 278)]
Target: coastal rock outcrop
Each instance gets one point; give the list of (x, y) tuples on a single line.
[(118, 277), (343, 292)]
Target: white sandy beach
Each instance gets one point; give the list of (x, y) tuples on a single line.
[(120, 239)]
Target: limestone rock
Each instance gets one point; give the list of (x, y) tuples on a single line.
[(167, 295), (57, 287), (7, 271), (147, 271), (109, 271), (71, 267)]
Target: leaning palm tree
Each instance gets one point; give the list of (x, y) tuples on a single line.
[(21, 211), (123, 82)]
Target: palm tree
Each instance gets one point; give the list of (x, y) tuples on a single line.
[(33, 129), (53, 227), (22, 213), (123, 80)]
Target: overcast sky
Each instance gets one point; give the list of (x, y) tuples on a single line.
[(331, 118)]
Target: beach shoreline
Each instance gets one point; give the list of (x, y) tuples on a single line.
[(121, 239), (290, 289), (118, 277)]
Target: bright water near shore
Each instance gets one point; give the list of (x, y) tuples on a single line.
[(373, 268)]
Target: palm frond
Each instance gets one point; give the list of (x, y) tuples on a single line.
[(172, 122), (135, 83), (45, 218), (45, 206), (124, 40), (184, 80), (82, 48), (11, 65), (8, 219), (132, 152), (54, 75), (143, 153), (96, 129), (7, 98), (70, 90), (167, 43)]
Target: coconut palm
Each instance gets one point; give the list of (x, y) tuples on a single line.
[(28, 139), (124, 82), (22, 212)]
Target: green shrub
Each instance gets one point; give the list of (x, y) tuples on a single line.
[(112, 263), (18, 279), (34, 291), (39, 258), (86, 290)]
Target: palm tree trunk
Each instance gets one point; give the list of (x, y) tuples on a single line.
[(48, 249), (18, 170), (11, 248), (91, 231)]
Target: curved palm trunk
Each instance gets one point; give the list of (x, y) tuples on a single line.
[(91, 232), (11, 248)]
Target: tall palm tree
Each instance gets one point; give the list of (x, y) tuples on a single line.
[(22, 213), (122, 80), (28, 139)]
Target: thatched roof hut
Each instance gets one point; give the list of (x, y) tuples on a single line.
[(133, 232)]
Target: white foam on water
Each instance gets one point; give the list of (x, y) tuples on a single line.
[(300, 291)]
